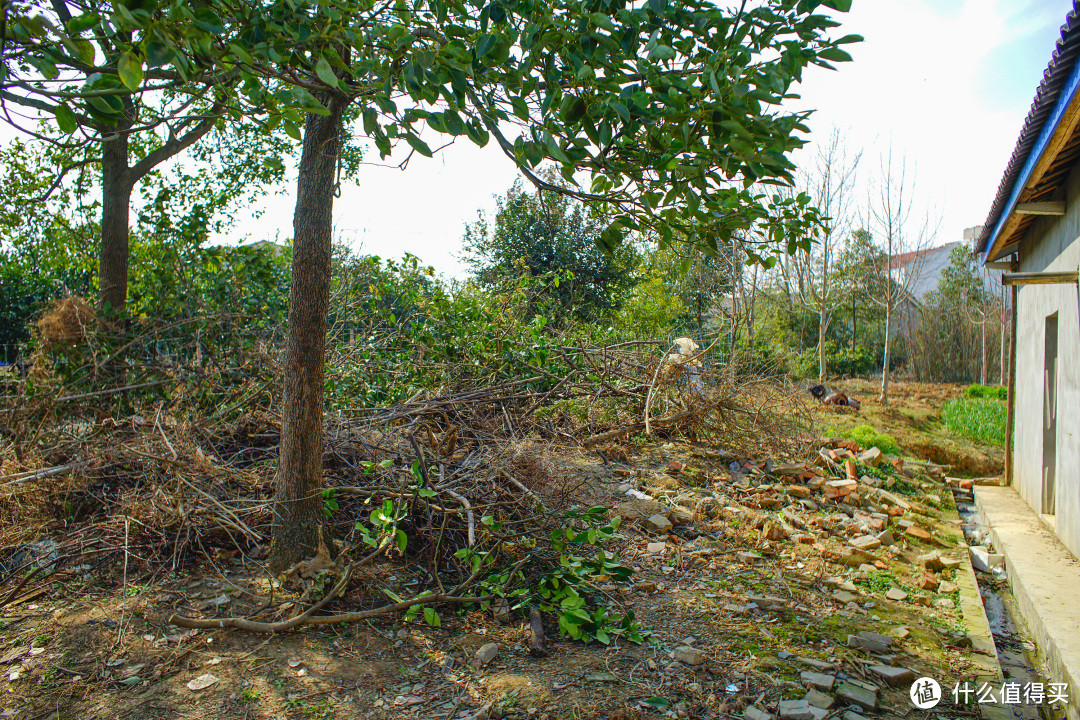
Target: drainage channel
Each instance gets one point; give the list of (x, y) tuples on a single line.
[(1016, 650)]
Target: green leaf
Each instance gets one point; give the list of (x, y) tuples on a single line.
[(418, 145), (662, 52), (601, 20), (326, 73), (487, 42), (65, 119), (431, 617), (402, 540), (45, 67), (83, 22), (292, 131), (841, 5), (130, 70), (240, 53), (834, 55), (85, 50)]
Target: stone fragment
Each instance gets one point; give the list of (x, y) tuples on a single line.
[(656, 547), (818, 713), (852, 715), (658, 524), (873, 456), (819, 664), (917, 532), (885, 537), (818, 699), (747, 558), (857, 694), (487, 653), (896, 594), (865, 542), (202, 682), (689, 655), (931, 561), (775, 532), (821, 681), (795, 710), (984, 560), (799, 491), (843, 596), (900, 632), (895, 676), (929, 582), (753, 713), (947, 587), (869, 641)]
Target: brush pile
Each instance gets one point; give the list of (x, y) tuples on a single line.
[(175, 463)]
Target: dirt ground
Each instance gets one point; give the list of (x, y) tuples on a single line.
[(759, 607)]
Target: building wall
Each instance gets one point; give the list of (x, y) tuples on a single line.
[(1052, 244)]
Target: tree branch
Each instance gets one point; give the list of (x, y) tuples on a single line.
[(174, 145)]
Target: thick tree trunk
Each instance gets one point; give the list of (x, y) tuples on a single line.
[(115, 201), (298, 504)]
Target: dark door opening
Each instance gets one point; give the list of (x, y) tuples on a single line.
[(1050, 412)]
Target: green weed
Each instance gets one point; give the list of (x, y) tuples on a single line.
[(982, 392), (979, 419)]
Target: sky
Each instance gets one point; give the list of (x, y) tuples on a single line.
[(945, 83)]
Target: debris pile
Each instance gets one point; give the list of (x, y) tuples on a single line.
[(861, 532)]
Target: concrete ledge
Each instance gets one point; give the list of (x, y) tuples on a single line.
[(1045, 580)]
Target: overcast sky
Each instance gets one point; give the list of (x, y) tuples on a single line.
[(946, 82)]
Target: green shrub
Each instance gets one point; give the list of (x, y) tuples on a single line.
[(982, 392), (981, 419), (868, 437)]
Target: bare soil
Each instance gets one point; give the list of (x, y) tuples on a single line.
[(94, 644)]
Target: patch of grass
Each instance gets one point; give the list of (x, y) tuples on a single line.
[(979, 419), (982, 392), (868, 437), (878, 582)]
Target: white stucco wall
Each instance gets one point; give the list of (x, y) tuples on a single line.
[(1052, 244)]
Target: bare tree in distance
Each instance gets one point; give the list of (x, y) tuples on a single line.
[(902, 229), (831, 182)]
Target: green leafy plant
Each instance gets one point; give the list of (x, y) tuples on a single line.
[(982, 392), (868, 437), (568, 589)]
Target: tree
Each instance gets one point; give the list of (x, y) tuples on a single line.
[(672, 109), (126, 86), (550, 233), (891, 214), (831, 182)]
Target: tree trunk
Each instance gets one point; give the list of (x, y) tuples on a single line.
[(884, 397), (982, 337), (115, 201), (853, 323), (821, 344), (298, 503)]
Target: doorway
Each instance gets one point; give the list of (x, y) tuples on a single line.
[(1050, 412)]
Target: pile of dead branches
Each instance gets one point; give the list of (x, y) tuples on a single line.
[(473, 471)]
